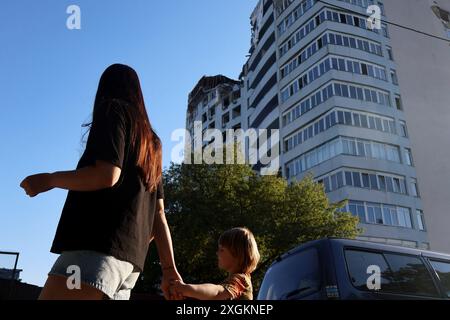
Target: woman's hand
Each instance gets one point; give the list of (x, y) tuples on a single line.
[(38, 183), (169, 276)]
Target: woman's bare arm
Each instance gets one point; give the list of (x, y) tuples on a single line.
[(100, 176), (163, 238), (163, 241)]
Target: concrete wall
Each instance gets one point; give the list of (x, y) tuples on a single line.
[(424, 76)]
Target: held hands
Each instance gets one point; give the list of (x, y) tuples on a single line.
[(38, 183), (169, 277), (179, 288)]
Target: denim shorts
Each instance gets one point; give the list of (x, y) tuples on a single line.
[(115, 278)]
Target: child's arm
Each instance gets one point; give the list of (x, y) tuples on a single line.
[(206, 291)]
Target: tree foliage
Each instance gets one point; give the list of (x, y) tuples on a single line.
[(202, 201)]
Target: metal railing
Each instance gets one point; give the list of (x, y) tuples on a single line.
[(14, 270)]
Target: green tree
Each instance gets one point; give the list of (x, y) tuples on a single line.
[(204, 200)]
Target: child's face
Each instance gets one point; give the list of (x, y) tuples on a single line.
[(226, 260)]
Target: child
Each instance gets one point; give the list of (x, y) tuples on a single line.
[(238, 255)]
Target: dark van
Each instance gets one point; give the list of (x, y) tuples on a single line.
[(352, 269)]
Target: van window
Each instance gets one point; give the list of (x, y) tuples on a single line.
[(443, 272), (400, 274), (358, 263), (295, 275), (410, 275)]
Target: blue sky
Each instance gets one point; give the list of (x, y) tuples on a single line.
[(49, 76)]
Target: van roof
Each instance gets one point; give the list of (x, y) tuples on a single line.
[(368, 245)]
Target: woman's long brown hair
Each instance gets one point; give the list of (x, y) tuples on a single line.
[(122, 82)]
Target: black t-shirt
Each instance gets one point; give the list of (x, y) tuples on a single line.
[(117, 221)]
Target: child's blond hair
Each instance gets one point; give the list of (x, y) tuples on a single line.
[(242, 245)]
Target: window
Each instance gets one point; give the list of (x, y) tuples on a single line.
[(374, 96), (396, 185), (332, 38), (394, 77), (403, 129), (353, 93), (316, 128), (334, 63), (348, 178), (361, 149), (408, 157), (366, 46), (443, 271), (384, 30), (349, 147), (388, 213), (337, 89), (398, 102), (364, 69), (225, 119), (370, 71), (414, 188), (340, 181), (356, 119), (344, 88), (374, 213), (392, 128), (421, 220), (386, 125), (390, 53), (321, 125), (350, 66), (341, 64), (297, 275), (404, 217), (365, 180), (357, 179), (348, 118), (382, 183), (358, 210), (357, 264), (409, 275), (370, 214), (326, 182), (373, 182), (318, 20), (360, 44), (372, 122), (333, 119), (389, 184), (327, 65), (367, 95), (378, 124), (333, 182)]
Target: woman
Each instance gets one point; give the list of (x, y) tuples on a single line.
[(114, 206)]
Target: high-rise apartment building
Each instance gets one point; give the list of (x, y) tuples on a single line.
[(349, 105)]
